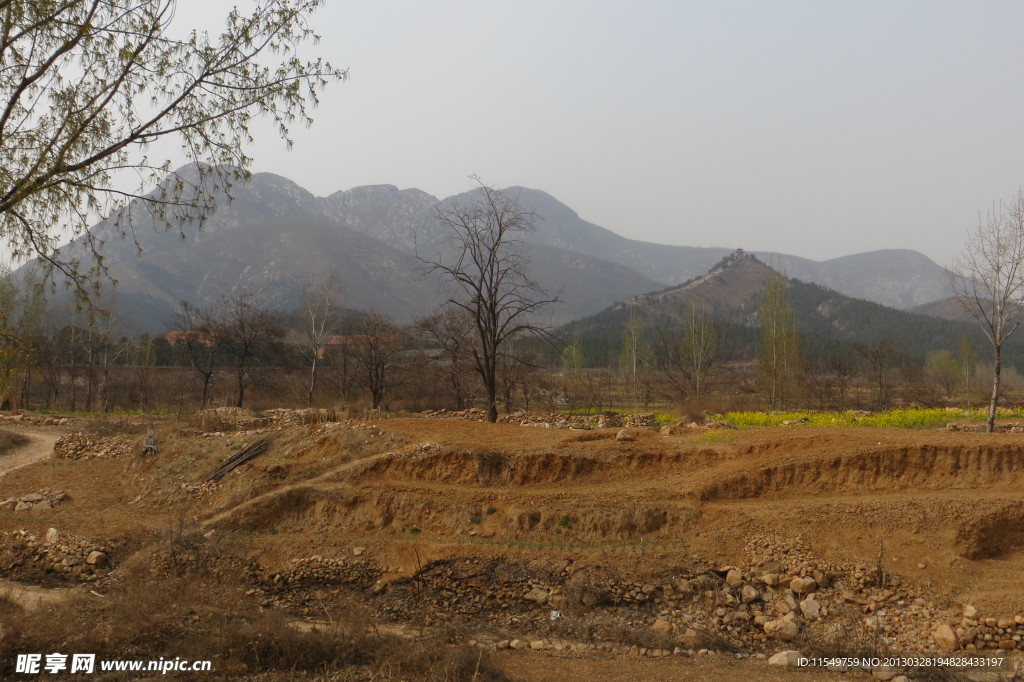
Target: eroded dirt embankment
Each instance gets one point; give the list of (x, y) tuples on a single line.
[(884, 468)]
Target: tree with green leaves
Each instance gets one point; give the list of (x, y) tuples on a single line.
[(21, 309), (779, 356), (88, 87), (965, 354), (988, 281)]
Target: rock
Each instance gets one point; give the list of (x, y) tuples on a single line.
[(517, 644), (810, 608), (357, 551), (884, 673), (667, 430), (22, 506), (32, 497), (537, 645), (803, 585), (689, 639), (96, 558), (625, 435), (786, 658), (537, 594), (52, 535), (970, 611), (784, 629), (749, 594), (945, 638), (664, 627), (557, 601), (733, 576), (770, 579)]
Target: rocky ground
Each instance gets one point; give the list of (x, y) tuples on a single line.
[(615, 539)]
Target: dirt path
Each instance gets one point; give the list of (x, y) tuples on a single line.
[(30, 597), (39, 448)]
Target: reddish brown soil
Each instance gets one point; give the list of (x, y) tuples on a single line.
[(946, 509)]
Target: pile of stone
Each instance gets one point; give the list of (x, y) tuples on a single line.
[(36, 419), (605, 420), (47, 498), (642, 419), (297, 584), (84, 446), (981, 428), (780, 596), (975, 633), (57, 554), (301, 416)]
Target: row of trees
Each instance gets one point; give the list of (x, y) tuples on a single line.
[(93, 84)]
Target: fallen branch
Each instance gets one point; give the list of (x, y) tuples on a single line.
[(239, 458)]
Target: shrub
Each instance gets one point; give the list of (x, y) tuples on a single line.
[(10, 440)]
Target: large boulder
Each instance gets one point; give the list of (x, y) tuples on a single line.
[(945, 638), (810, 608), (783, 628), (786, 658), (537, 594), (803, 585)]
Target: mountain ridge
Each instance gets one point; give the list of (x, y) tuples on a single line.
[(274, 236)]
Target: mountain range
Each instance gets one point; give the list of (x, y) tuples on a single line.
[(274, 237), (829, 323)]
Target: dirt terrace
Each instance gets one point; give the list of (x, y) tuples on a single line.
[(445, 521)]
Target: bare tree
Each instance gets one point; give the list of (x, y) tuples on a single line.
[(377, 347), (686, 356), (318, 323), (635, 359), (87, 87), (195, 334), (244, 327), (489, 273), (452, 330), (778, 342), (880, 357), (988, 280)]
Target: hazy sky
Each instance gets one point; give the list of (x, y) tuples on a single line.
[(814, 128)]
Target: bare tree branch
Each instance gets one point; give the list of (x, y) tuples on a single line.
[(86, 86), (490, 275), (988, 280)]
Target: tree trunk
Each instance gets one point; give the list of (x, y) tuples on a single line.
[(312, 382), (206, 390), (997, 366), (241, 387)]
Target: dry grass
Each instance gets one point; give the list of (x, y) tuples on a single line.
[(196, 609), (10, 440)]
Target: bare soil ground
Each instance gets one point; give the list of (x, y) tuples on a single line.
[(434, 523), (40, 447)]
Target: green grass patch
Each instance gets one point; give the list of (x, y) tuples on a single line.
[(715, 436), (661, 418), (904, 418)]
